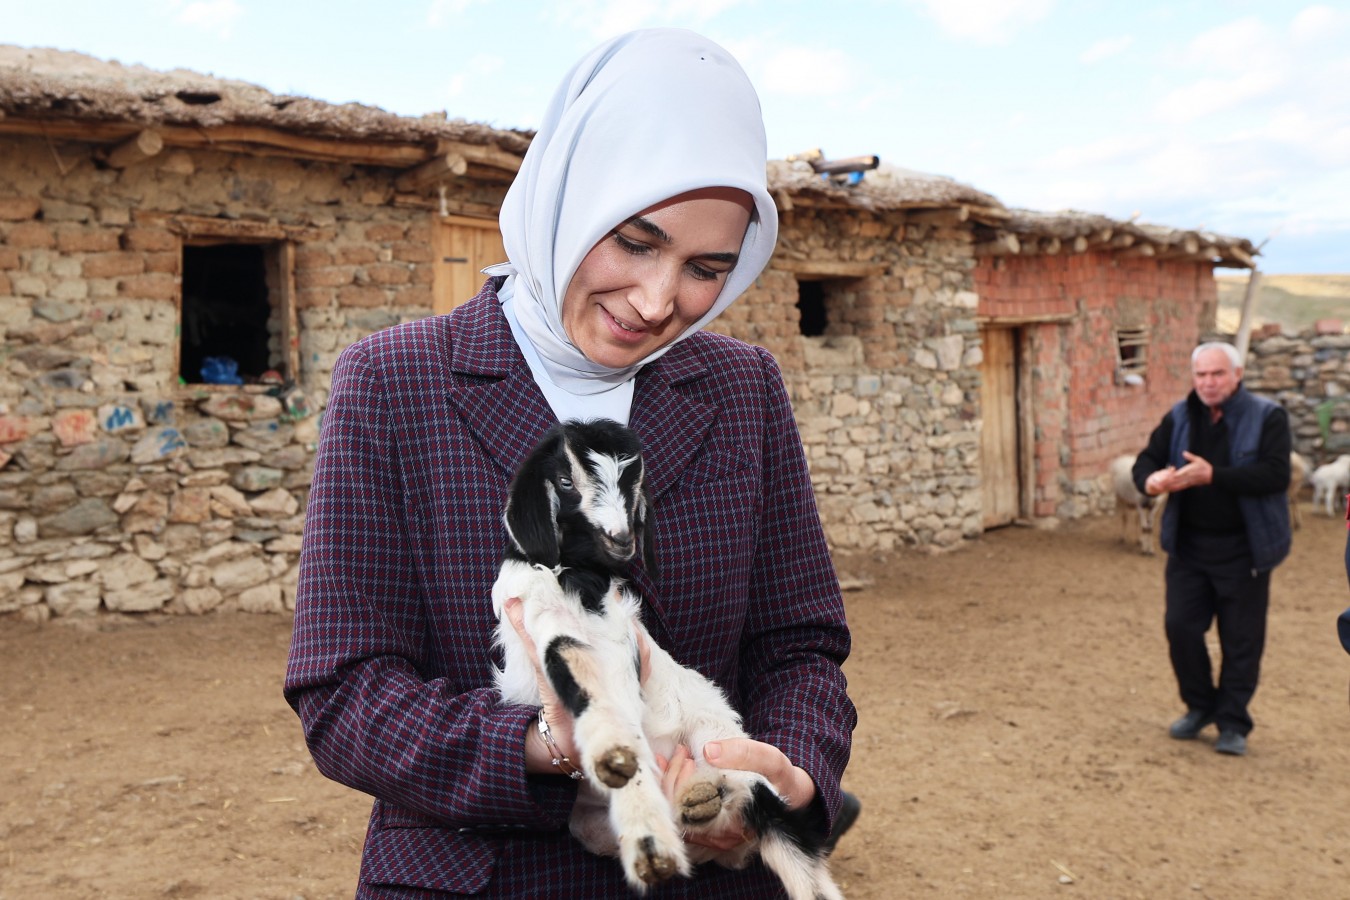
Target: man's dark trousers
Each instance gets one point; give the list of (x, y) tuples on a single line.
[(1197, 593)]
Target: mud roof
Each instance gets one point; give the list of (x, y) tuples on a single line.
[(63, 95)]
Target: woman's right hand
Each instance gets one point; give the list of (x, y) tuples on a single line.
[(538, 758)]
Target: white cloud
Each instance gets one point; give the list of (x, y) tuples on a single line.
[(805, 72), (608, 18), (1318, 23), (1211, 95), (480, 67), (211, 15), (985, 21), (1105, 49), (442, 12)]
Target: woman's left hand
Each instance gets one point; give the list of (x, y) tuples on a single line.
[(789, 781)]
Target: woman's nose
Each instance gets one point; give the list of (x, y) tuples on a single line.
[(654, 298)]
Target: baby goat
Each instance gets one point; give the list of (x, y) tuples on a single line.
[(576, 516)]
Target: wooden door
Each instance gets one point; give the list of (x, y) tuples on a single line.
[(1000, 468), (463, 246)]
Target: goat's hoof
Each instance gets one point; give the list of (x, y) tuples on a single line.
[(652, 866), (701, 802), (616, 766)]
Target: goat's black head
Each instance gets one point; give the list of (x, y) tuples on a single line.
[(579, 499)]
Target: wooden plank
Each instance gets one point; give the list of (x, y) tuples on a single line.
[(1000, 484)]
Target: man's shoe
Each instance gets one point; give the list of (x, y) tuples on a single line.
[(1189, 726), (849, 807), (1231, 743)]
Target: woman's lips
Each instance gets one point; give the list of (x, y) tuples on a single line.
[(622, 330)]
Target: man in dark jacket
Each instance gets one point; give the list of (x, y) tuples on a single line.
[(1223, 456)]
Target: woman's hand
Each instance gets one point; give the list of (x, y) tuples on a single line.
[(789, 781), (538, 758)]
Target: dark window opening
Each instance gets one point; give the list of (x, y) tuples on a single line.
[(226, 310), (1132, 350), (811, 308)]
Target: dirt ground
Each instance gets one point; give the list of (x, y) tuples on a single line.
[(1014, 697)]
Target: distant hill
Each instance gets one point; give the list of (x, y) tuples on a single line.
[(1294, 301)]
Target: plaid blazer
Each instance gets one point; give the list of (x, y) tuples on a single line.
[(390, 664)]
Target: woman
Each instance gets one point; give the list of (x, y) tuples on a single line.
[(639, 214)]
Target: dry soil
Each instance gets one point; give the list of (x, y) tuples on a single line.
[(1014, 697)]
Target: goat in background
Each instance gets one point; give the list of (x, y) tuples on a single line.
[(577, 514), (1331, 482), (1134, 505)]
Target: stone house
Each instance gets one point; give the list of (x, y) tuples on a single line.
[(954, 364)]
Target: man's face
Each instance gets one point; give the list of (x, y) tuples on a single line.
[(1214, 377)]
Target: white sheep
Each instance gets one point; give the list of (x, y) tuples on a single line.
[(1330, 483), (1298, 476), (1128, 499)]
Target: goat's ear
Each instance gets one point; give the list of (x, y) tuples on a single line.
[(532, 509), (640, 526)]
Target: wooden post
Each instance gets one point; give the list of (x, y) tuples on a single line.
[(137, 148), (1244, 333)]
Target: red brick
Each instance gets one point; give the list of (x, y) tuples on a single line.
[(386, 233), (356, 255), (30, 236), (16, 209), (150, 239), (87, 240), (155, 286), (314, 298), (162, 262), (362, 295), (324, 276), (388, 273), (312, 257), (112, 265)]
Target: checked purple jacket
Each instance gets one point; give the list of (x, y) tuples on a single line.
[(390, 662)]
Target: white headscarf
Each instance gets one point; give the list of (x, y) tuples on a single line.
[(642, 118)]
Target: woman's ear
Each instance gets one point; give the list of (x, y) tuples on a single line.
[(532, 508)]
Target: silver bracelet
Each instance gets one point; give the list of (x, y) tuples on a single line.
[(560, 761)]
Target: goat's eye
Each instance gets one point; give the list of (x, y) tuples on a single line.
[(565, 482)]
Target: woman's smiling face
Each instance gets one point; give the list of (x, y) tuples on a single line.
[(653, 276)]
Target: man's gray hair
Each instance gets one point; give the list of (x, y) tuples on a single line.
[(1228, 350)]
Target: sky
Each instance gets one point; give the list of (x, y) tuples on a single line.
[(1227, 115)]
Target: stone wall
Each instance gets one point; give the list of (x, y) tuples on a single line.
[(1308, 374), (120, 488), (886, 398)]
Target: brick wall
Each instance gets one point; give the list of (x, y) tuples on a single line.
[(1084, 413)]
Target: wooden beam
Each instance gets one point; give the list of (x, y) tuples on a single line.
[(135, 149), (946, 217), (1004, 243), (253, 140), (1051, 246), (1042, 319), (1241, 256), (483, 154), (829, 268), (1080, 244), (1244, 334), (1121, 241), (1139, 250), (433, 171)]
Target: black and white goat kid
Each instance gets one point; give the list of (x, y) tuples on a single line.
[(576, 517)]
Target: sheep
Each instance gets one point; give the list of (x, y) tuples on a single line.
[(1298, 476), (577, 513), (1129, 499), (1330, 483)]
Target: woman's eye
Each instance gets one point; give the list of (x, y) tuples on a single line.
[(703, 273), (635, 247)]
